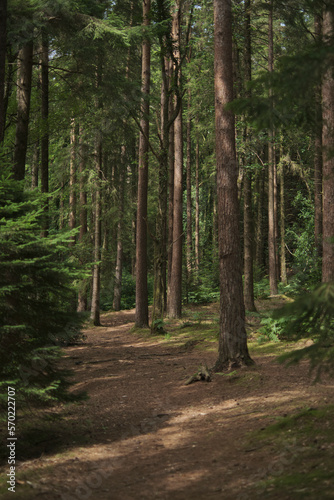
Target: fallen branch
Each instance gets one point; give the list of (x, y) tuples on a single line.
[(202, 374)]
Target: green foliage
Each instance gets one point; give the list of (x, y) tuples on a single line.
[(311, 316), (272, 329), (36, 293), (261, 288), (205, 285), (158, 326), (300, 239), (201, 295), (128, 300)]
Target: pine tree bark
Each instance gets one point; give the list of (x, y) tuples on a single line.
[(233, 351), (3, 39), (119, 252), (141, 317), (248, 244), (35, 165), (160, 240), (328, 160), (197, 209), (260, 235), (24, 73), (174, 299), (73, 178), (189, 198), (318, 158), (170, 189), (271, 177), (284, 278), (95, 307), (44, 167), (82, 294), (98, 163), (248, 211), (134, 197)]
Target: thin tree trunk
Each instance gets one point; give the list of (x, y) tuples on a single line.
[(134, 197), (215, 237), (95, 307), (174, 299), (44, 78), (189, 198), (170, 189), (276, 210), (82, 294), (73, 178), (271, 178), (248, 244), (160, 240), (318, 159), (328, 160), (119, 253), (141, 317), (24, 73), (61, 205), (259, 238), (3, 38), (35, 166), (248, 211), (197, 210), (233, 350), (284, 278)]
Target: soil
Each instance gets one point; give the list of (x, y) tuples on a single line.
[(144, 434)]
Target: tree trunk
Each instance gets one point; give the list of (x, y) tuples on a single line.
[(271, 178), (170, 188), (174, 299), (318, 158), (141, 318), (233, 351), (95, 308), (260, 235), (73, 179), (284, 278), (160, 240), (328, 160), (197, 210), (82, 295), (215, 237), (248, 244), (189, 200), (3, 39), (24, 73), (248, 211), (134, 197), (44, 79), (119, 253), (35, 166)]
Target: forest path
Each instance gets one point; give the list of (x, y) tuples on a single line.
[(143, 434)]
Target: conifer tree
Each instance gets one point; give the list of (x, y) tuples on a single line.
[(233, 351), (36, 290)]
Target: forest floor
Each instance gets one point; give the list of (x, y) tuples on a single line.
[(262, 432)]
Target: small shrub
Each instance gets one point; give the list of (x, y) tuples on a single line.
[(157, 326), (261, 288), (272, 330)]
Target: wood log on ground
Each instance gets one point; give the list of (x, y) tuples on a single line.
[(202, 374)]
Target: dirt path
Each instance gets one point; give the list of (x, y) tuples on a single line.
[(143, 434)]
